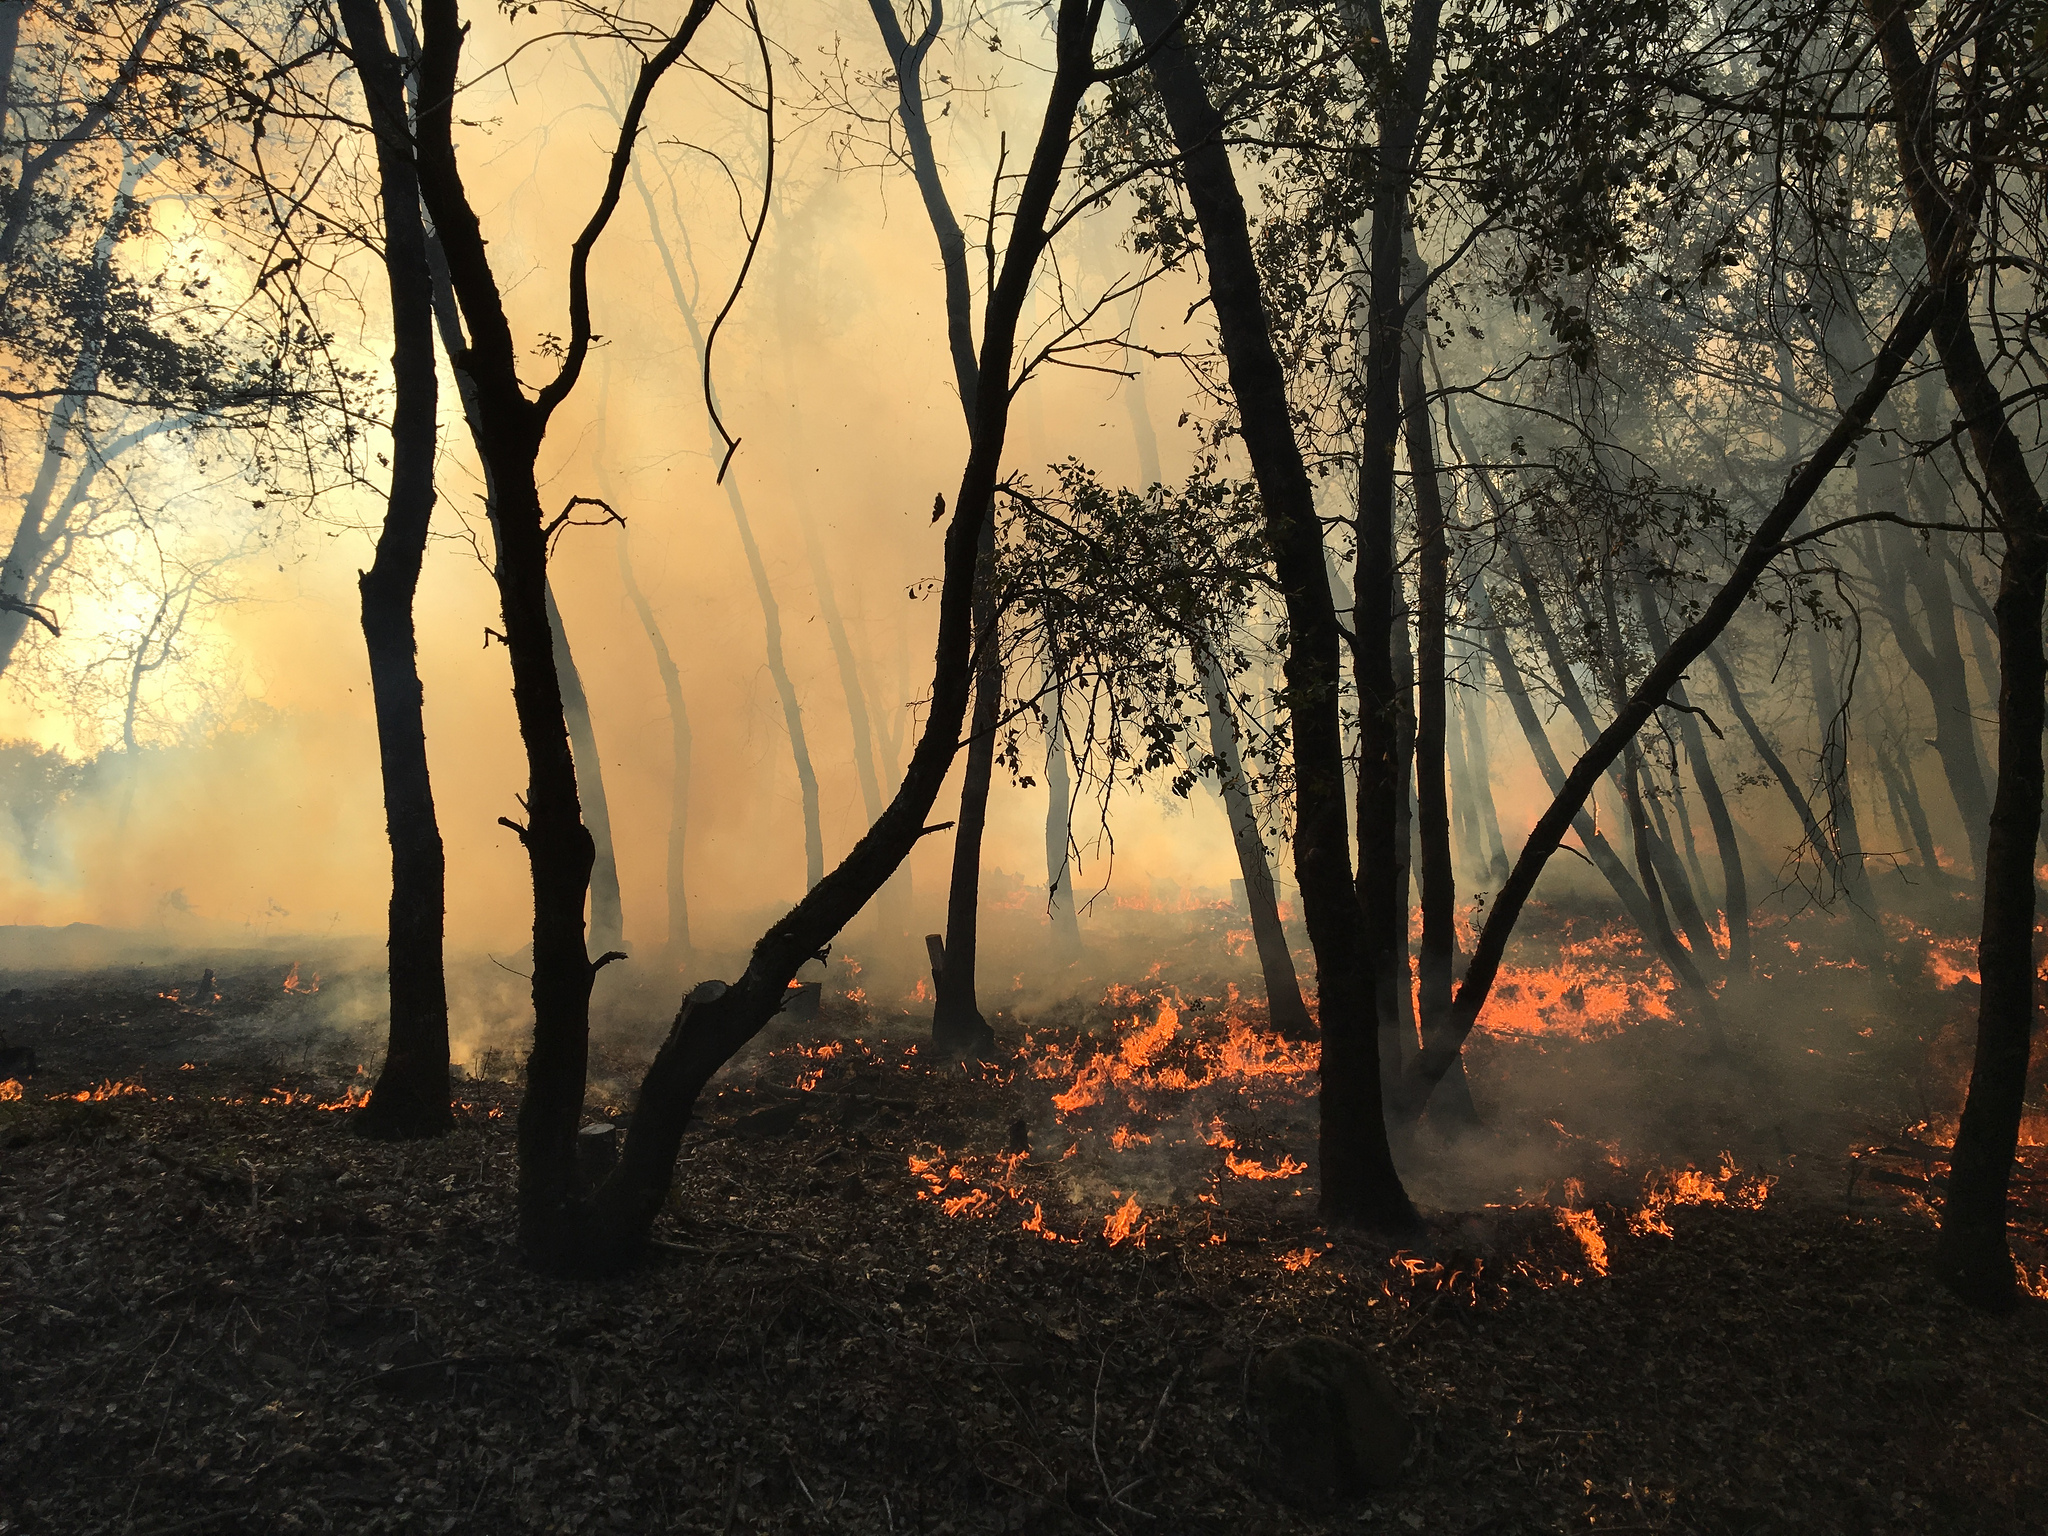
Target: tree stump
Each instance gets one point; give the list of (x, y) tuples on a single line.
[(1332, 1426)]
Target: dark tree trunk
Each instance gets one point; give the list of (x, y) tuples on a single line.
[(411, 1096), (957, 1025), (1358, 1179), (958, 1029), (1439, 953), (1650, 695), (1391, 290), (1973, 1256), (510, 428), (1285, 1010)]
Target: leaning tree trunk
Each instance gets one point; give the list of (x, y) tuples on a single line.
[(1285, 1010), (1654, 692), (1359, 1182), (510, 428), (1734, 885), (716, 1020), (411, 1096), (1973, 1255)]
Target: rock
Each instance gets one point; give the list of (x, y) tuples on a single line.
[(770, 1121), (1333, 1428)]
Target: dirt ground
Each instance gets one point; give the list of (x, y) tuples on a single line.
[(898, 1297)]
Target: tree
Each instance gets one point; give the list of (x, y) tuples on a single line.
[(1358, 1180), (411, 1095), (1987, 89)]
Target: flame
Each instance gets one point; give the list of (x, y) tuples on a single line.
[(303, 988), (1585, 1226), (1689, 1186), (353, 1098), (1252, 1168), (1123, 1138), (107, 1089), (10, 1090), (1124, 1223), (285, 1096), (1293, 1262)]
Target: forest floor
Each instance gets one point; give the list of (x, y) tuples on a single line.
[(1678, 1283)]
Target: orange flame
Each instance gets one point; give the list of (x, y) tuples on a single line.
[(1125, 1223), (302, 988)]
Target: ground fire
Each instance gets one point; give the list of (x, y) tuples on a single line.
[(1081, 768)]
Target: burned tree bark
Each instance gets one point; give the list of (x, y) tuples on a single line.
[(410, 1099), (1432, 794), (1974, 1257), (1358, 1178)]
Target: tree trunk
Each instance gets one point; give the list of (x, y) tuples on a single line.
[(677, 945), (1599, 851), (1650, 695), (607, 914), (1060, 907), (411, 1097), (510, 427), (958, 1029), (1734, 884), (1973, 1255), (1358, 1180), (716, 1020), (764, 590), (1285, 1010), (1473, 711), (1432, 796)]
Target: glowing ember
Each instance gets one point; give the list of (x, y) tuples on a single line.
[(1123, 1138), (1125, 1223), (1299, 1260), (11, 1089)]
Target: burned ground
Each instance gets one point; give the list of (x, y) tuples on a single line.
[(871, 1311)]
